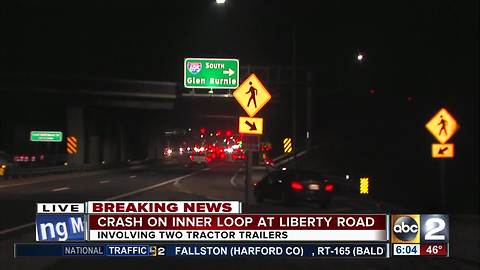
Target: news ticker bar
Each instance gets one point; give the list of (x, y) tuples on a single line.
[(318, 250)]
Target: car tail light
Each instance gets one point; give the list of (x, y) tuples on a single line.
[(191, 157), (328, 187), (296, 185)]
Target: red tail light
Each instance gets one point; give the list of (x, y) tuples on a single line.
[(191, 157), (328, 187), (296, 185)]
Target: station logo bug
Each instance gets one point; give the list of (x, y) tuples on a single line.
[(426, 228)]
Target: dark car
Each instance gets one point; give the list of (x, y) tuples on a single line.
[(290, 186)]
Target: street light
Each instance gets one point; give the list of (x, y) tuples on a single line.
[(360, 57)]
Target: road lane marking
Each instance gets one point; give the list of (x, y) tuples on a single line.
[(232, 180), (6, 231), (104, 181), (60, 189), (132, 176), (17, 228), (177, 183), (152, 187)]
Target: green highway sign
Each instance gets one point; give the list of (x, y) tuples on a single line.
[(210, 73), (46, 136)]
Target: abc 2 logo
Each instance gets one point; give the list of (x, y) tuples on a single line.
[(415, 229)]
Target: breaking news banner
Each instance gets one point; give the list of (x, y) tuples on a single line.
[(371, 250), (420, 235)]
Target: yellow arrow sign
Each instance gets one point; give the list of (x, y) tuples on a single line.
[(443, 150), (252, 95), (442, 126), (250, 125)]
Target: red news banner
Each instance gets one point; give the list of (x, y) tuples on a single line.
[(222, 221)]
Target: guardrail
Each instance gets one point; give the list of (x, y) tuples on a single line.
[(19, 172), (286, 158)]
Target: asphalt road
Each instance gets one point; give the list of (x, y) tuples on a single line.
[(221, 181)]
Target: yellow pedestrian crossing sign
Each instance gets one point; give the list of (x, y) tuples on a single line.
[(442, 126), (252, 95)]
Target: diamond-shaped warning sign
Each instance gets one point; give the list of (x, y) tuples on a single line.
[(442, 126), (252, 95)]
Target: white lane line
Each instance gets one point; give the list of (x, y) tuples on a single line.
[(152, 187), (132, 176), (104, 181), (17, 228), (9, 230), (60, 189), (177, 183), (232, 180)]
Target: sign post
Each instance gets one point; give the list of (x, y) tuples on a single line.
[(211, 73), (442, 126), (252, 96), (248, 173)]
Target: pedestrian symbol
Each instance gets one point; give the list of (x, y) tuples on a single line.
[(443, 123), (252, 95), (442, 126)]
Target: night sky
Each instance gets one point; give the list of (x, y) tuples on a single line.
[(410, 46)]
